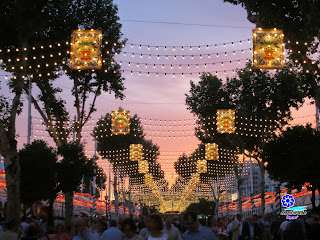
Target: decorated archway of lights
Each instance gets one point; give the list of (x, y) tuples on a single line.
[(183, 191), (157, 61)]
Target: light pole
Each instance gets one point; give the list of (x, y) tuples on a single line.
[(29, 111)]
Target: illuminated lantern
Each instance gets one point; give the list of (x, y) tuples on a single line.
[(225, 121), (212, 152), (136, 152), (86, 49), (201, 166), (196, 177), (268, 49), (143, 166), (148, 178), (120, 122)]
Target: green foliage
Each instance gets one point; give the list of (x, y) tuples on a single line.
[(4, 111), (299, 19), (73, 166), (253, 94), (293, 156), (203, 207), (101, 178), (300, 23), (185, 166), (38, 176)]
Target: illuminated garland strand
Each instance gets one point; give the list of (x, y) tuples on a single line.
[(176, 47), (166, 56), (165, 121), (190, 47)]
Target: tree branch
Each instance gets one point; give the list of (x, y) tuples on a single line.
[(92, 106), (48, 121), (4, 141), (76, 95)]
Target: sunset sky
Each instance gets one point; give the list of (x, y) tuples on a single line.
[(163, 98)]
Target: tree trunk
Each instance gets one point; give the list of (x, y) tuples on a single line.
[(12, 170), (116, 196), (263, 204), (50, 213), (216, 207), (68, 209)]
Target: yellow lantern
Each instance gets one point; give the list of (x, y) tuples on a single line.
[(120, 122), (225, 121), (143, 166), (268, 49), (201, 166), (212, 151), (136, 152), (86, 49), (148, 178)]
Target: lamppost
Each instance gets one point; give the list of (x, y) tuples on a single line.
[(107, 206)]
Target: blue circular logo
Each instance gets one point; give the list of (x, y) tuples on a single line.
[(287, 201)]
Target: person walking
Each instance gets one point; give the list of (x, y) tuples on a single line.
[(154, 227), (250, 230), (129, 229), (171, 230), (235, 227), (60, 234), (82, 232), (12, 231), (195, 230), (113, 233)]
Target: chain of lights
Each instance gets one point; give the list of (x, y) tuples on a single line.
[(155, 190), (182, 48), (150, 46), (165, 74), (183, 56), (169, 123), (132, 45), (182, 65)]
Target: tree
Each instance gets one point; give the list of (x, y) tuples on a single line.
[(203, 207), (300, 23), (295, 150), (87, 85), (255, 95), (115, 148), (70, 171), (185, 166), (24, 23), (38, 176), (101, 178)]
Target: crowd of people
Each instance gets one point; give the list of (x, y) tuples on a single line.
[(154, 227)]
